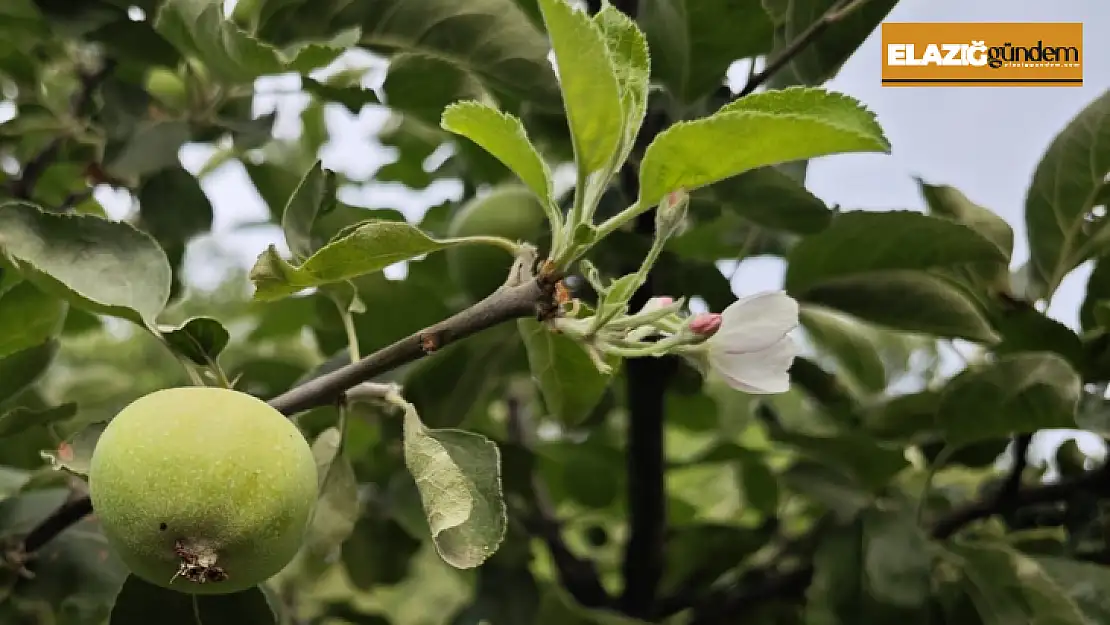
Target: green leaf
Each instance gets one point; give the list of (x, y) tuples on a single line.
[(843, 495), (504, 593), (559, 608), (23, 368), (198, 28), (379, 552), (871, 462), (305, 56), (503, 136), (367, 247), (446, 387), (100, 265), (569, 381), (949, 202), (755, 131), (422, 86), (852, 344), (860, 242), (28, 317), (588, 473), (458, 475), (839, 578), (591, 94), (1064, 189), (629, 54), (20, 418), (1017, 393), (1097, 293), (141, 603), (173, 207), (1007, 586), (491, 39), (874, 266), (1084, 583), (905, 300), (897, 558), (313, 197), (352, 96), (700, 553), (152, 146), (337, 507), (863, 575), (200, 339), (770, 198), (695, 41)]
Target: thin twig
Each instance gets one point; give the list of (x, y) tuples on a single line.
[(577, 575), (835, 13), (64, 516), (1012, 484), (505, 304), (519, 297)]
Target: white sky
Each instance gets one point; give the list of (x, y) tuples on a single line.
[(984, 141)]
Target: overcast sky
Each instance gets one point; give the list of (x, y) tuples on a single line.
[(986, 141)]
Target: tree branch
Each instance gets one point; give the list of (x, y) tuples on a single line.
[(1095, 481), (577, 575), (516, 299), (722, 606), (835, 13), (67, 514), (647, 379), (509, 302), (24, 187), (1012, 483)]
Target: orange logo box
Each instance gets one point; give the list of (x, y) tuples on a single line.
[(946, 54)]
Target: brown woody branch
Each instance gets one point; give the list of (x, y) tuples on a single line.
[(517, 298), (510, 302)]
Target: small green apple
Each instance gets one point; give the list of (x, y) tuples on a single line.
[(168, 88), (511, 211), (203, 490)]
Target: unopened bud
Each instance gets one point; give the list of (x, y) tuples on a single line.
[(656, 303), (705, 324), (671, 212)]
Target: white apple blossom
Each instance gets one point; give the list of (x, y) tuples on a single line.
[(752, 348)]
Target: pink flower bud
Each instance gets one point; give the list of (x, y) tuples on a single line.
[(705, 324)]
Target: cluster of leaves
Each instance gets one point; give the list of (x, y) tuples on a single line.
[(502, 494)]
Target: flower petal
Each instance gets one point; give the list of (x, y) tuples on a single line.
[(756, 322), (761, 372)]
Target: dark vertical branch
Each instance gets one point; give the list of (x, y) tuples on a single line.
[(1012, 485), (645, 457)]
